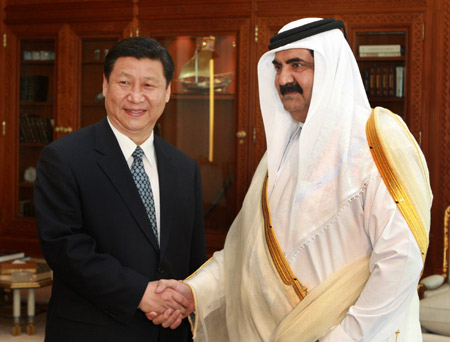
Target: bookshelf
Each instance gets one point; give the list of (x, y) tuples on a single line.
[(93, 54), (381, 57), (36, 114)]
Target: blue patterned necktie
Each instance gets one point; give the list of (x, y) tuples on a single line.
[(144, 187)]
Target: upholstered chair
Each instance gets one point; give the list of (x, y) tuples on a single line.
[(435, 304)]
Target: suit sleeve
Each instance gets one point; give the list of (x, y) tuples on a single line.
[(70, 249), (395, 267)]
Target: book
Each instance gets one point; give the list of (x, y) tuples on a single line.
[(399, 81), (384, 82), (393, 50), (34, 88), (43, 271), (381, 48), (378, 80), (391, 89), (372, 84), (366, 80), (380, 54), (35, 129), (6, 255), (18, 265)]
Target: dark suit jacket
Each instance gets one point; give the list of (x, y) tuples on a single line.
[(96, 236)]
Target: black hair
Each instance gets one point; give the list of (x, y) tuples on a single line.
[(139, 48)]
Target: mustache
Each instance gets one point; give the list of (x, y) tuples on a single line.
[(293, 87)]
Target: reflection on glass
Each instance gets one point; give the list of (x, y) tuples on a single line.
[(199, 119), (94, 51), (195, 74)]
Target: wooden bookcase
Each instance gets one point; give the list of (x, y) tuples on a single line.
[(383, 76), (36, 114), (93, 52), (49, 77)]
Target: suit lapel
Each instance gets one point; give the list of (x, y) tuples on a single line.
[(116, 169), (167, 191)]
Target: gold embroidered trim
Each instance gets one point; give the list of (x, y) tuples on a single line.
[(195, 318), (279, 260), (396, 189), (198, 269), (446, 225)]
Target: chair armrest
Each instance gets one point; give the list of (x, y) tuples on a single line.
[(433, 281)]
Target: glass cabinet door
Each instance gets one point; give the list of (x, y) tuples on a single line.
[(94, 51), (200, 118), (36, 114)]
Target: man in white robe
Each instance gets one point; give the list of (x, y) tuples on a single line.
[(328, 209)]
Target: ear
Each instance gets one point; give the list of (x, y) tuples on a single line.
[(105, 85), (168, 92)]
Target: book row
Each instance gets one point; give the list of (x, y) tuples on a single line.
[(15, 263), (393, 50), (24, 270), (35, 129), (384, 81), (33, 88)]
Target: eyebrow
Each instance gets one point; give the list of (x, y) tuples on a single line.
[(294, 60), (123, 73), (275, 62)]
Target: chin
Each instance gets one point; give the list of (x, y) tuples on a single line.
[(298, 116)]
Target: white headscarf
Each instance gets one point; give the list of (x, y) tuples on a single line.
[(334, 159)]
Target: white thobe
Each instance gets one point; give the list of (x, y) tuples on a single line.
[(369, 223)]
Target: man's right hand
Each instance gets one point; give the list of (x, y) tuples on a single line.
[(172, 318), (167, 298)]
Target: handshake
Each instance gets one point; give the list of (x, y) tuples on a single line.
[(167, 302)]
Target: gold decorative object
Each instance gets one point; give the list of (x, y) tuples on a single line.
[(195, 74)]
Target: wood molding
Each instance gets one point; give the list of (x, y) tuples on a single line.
[(319, 7), (443, 192), (195, 9), (105, 30), (67, 95), (445, 125), (68, 12), (3, 160)]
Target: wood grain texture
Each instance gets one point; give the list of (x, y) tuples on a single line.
[(320, 7), (67, 12)]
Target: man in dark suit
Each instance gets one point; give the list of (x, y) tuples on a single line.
[(118, 208)]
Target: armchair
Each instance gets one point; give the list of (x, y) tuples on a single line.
[(435, 306)]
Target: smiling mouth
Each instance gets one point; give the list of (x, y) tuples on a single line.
[(135, 112)]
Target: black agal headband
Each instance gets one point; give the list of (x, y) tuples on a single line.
[(304, 31)]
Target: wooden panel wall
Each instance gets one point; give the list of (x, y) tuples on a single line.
[(438, 104)]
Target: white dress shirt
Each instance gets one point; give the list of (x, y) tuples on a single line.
[(149, 159)]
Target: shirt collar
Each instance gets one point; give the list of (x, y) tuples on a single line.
[(128, 146)]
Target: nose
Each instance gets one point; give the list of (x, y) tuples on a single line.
[(285, 77), (136, 94)]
